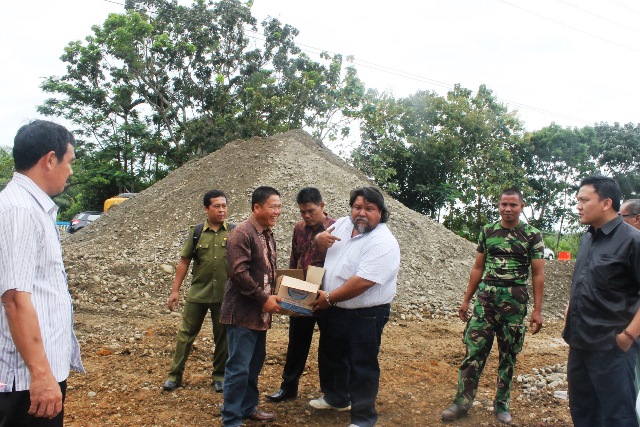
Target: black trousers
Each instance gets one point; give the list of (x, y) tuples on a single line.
[(300, 336), (352, 336), (14, 407), (601, 387)]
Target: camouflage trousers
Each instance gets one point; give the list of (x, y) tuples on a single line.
[(500, 312)]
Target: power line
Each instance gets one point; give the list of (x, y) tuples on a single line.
[(624, 6), (569, 26), (423, 79), (600, 17)]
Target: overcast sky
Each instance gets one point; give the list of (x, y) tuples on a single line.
[(574, 62)]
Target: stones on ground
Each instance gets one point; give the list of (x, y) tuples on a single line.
[(547, 379)]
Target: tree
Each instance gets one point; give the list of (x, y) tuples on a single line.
[(6, 166), (403, 151), (618, 154), (487, 136), (432, 153), (162, 83), (555, 159)]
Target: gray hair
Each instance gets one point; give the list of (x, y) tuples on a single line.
[(633, 205)]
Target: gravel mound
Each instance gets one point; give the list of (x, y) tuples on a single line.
[(123, 264)]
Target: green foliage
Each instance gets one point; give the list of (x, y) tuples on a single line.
[(403, 151), (618, 154), (563, 243), (151, 88), (434, 153), (6, 166), (554, 160), (487, 136)]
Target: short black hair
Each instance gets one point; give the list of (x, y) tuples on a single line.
[(512, 191), (206, 200), (309, 195), (371, 195), (261, 195), (38, 138), (633, 205), (606, 188)]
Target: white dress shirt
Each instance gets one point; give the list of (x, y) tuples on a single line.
[(31, 261), (373, 256)]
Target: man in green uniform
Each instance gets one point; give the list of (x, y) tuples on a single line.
[(506, 251), (206, 291)]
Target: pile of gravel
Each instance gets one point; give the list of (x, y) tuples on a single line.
[(546, 379), (123, 264)]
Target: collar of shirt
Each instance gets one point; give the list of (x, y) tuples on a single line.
[(606, 228), (207, 226), (321, 226), (260, 229), (36, 192)]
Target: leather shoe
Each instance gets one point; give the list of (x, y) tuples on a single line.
[(170, 385), (217, 386), (261, 416), (453, 412), (281, 395)]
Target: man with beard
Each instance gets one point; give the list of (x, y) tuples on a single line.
[(362, 263), (506, 250)]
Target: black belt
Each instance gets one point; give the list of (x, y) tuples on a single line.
[(501, 283)]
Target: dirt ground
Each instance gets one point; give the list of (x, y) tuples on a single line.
[(418, 363)]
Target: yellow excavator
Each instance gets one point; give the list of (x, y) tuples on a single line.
[(117, 200)]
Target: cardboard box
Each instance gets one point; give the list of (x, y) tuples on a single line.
[(298, 295)]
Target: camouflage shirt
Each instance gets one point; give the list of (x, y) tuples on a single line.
[(509, 252)]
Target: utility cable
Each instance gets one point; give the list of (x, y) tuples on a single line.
[(600, 17), (569, 26)]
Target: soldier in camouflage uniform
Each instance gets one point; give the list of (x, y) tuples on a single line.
[(506, 251)]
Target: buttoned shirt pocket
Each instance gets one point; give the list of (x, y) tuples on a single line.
[(610, 273)]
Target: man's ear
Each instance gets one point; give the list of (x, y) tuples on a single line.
[(49, 160)]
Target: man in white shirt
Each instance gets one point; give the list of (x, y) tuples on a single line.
[(361, 265), (37, 345)]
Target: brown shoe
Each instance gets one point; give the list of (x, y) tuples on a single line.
[(453, 412), (261, 416)]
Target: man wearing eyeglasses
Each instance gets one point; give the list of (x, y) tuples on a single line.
[(630, 212)]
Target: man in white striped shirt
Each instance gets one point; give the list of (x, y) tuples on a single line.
[(362, 263), (37, 345)]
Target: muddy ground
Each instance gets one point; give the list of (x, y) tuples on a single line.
[(418, 362)]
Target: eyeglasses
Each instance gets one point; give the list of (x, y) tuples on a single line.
[(626, 215)]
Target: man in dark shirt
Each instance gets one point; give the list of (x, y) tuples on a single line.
[(247, 306), (604, 299), (303, 254)]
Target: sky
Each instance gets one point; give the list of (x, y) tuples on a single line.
[(573, 62)]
